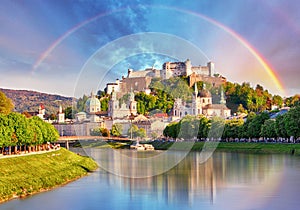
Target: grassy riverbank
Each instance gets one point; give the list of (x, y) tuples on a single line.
[(25, 175), (259, 148)]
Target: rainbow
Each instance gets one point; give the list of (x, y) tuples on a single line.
[(260, 58)]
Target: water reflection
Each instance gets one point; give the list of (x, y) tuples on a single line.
[(191, 180), (225, 181)]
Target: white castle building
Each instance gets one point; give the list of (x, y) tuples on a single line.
[(175, 69), (201, 104)]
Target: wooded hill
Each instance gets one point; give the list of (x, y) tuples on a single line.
[(27, 100)]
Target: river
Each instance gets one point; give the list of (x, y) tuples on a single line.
[(225, 181)]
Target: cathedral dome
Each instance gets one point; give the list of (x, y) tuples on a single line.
[(205, 94), (93, 105)]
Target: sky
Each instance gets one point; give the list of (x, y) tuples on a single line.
[(75, 47)]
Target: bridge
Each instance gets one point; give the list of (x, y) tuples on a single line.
[(65, 141)]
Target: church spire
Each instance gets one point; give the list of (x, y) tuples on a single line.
[(222, 100), (113, 94), (131, 95), (196, 89)]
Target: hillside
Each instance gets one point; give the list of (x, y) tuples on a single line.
[(26, 100)]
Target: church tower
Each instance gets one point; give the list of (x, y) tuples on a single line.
[(113, 104), (61, 115), (132, 103), (222, 101), (177, 108), (196, 104)]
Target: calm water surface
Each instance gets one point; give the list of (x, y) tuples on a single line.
[(226, 181)]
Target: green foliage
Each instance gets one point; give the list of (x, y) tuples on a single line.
[(277, 100), (81, 103), (204, 126), (292, 122), (254, 127), (117, 129), (293, 101), (29, 174), (171, 130), (251, 99), (17, 130), (136, 132), (104, 103), (188, 127), (145, 103), (6, 105), (280, 126), (232, 128), (100, 132), (268, 129), (69, 113)]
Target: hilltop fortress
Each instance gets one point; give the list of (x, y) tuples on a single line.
[(140, 80)]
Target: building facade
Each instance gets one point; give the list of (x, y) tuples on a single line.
[(201, 105), (117, 110)]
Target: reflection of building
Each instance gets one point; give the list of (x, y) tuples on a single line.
[(201, 104), (193, 180)]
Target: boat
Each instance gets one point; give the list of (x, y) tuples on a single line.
[(142, 147)]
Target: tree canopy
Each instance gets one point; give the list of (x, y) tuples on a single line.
[(17, 130), (6, 104)]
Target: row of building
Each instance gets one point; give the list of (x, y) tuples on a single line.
[(125, 112)]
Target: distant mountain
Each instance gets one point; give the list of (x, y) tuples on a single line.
[(27, 100)]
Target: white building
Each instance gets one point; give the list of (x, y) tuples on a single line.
[(92, 107), (117, 110), (201, 104), (60, 115)]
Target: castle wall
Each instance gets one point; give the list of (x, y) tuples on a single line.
[(136, 83), (215, 81)]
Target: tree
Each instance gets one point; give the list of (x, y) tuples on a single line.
[(268, 129), (188, 127), (6, 104), (277, 100), (22, 134), (105, 132), (69, 113), (117, 129), (81, 103), (232, 128), (6, 131), (104, 103), (280, 126), (133, 130), (141, 133), (292, 122), (255, 125), (243, 133), (241, 109), (171, 130), (203, 128)]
